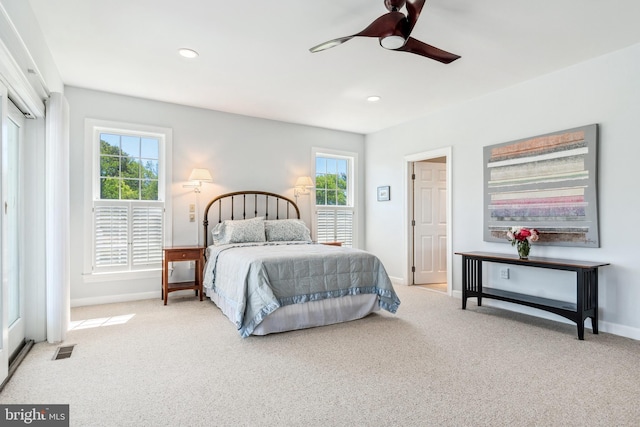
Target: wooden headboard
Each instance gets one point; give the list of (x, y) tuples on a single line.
[(248, 204)]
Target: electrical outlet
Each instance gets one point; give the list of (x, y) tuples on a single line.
[(192, 217), (192, 207), (192, 264), (504, 273)]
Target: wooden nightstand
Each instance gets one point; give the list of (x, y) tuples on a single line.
[(182, 253), (332, 243)]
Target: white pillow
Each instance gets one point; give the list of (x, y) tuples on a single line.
[(287, 230), (218, 234), (239, 231)]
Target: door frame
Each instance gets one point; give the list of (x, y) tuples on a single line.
[(445, 152)]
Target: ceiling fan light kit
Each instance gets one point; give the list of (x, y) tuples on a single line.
[(392, 42), (188, 53), (393, 31)]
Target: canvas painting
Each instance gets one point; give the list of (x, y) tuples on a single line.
[(547, 182)]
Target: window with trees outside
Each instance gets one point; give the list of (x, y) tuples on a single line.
[(128, 200), (334, 198)]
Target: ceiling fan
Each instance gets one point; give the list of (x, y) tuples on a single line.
[(393, 30)]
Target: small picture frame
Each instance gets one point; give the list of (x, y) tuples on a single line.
[(384, 193)]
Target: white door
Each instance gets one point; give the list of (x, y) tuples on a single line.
[(430, 215), (13, 215), (12, 300)]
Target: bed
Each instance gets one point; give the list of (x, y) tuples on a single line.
[(266, 275)]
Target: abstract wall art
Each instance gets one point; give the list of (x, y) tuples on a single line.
[(548, 182), (384, 193)]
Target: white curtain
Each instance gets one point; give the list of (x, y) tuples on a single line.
[(57, 217)]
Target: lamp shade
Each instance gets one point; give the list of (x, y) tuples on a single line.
[(202, 175), (304, 182)]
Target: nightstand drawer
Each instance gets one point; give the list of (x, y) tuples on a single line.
[(183, 255)]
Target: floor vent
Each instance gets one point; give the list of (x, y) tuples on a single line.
[(63, 352)]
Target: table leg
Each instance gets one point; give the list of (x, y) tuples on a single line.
[(165, 281), (464, 282), (594, 283), (580, 290), (477, 269), (200, 266), (581, 330)]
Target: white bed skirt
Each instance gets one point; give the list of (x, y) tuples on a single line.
[(310, 314)]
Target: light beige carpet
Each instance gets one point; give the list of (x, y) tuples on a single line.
[(432, 364)]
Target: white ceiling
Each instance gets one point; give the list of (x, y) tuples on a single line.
[(254, 58)]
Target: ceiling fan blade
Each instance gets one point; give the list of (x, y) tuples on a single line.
[(414, 7), (419, 48), (329, 44), (383, 26)]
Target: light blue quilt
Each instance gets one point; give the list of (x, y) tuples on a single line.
[(256, 279)]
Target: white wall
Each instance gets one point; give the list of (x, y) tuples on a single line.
[(242, 153), (605, 91)]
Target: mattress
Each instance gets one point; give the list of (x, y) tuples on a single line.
[(250, 282)]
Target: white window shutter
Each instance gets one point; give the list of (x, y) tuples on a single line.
[(335, 225), (324, 225), (344, 227), (146, 235), (111, 236), (128, 235)]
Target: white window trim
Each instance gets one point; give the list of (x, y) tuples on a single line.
[(92, 128), (352, 187)]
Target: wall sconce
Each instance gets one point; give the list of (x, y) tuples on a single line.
[(197, 177), (302, 187)]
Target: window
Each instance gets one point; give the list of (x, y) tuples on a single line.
[(128, 167), (130, 175), (335, 201)]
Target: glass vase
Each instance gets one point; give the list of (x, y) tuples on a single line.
[(523, 247)]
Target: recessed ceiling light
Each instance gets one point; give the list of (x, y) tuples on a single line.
[(188, 53), (374, 98)]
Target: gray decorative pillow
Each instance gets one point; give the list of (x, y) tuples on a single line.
[(287, 230), (239, 231)]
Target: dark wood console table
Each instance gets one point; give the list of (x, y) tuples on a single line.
[(586, 305)]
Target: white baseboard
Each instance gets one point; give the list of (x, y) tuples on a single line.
[(108, 299), (397, 280), (621, 330)]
